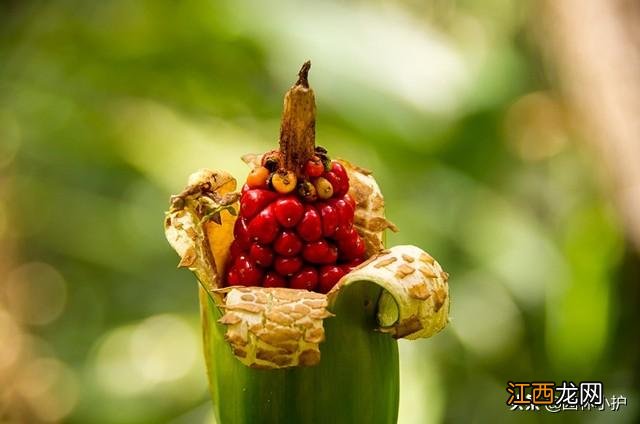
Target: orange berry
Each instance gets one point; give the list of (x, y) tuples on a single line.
[(258, 177), (284, 181)]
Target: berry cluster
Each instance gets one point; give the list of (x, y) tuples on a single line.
[(295, 232)]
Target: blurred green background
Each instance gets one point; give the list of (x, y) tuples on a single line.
[(107, 107)]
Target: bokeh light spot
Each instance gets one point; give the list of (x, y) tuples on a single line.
[(36, 293)]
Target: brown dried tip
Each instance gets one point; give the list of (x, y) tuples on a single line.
[(303, 75), (298, 127)]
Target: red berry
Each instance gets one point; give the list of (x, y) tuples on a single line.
[(245, 187), (255, 200), (241, 232), (288, 211), (345, 211), (352, 247), (274, 280), (314, 167), (306, 279), (236, 249), (249, 273), (287, 244), (287, 266), (329, 276), (344, 232), (233, 278), (264, 226), (261, 255), (338, 170), (320, 252), (329, 218), (350, 200), (310, 226)]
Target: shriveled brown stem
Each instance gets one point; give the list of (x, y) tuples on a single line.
[(298, 128)]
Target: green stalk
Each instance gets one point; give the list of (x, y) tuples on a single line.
[(356, 379)]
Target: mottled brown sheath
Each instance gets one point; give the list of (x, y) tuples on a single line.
[(298, 128)]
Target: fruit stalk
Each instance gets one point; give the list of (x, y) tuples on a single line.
[(298, 125)]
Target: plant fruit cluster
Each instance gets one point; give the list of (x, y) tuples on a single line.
[(293, 230)]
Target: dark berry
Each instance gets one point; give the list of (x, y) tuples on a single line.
[(307, 191)]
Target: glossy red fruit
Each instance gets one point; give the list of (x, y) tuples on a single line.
[(320, 252), (345, 211), (236, 249), (314, 167), (255, 200), (241, 232), (249, 273), (288, 211), (287, 244), (245, 187), (338, 170), (351, 248), (263, 227), (310, 226), (233, 278), (287, 266), (274, 280), (329, 218), (344, 232), (329, 275), (261, 255), (305, 279), (350, 201)]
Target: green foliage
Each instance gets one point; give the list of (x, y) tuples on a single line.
[(107, 107)]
